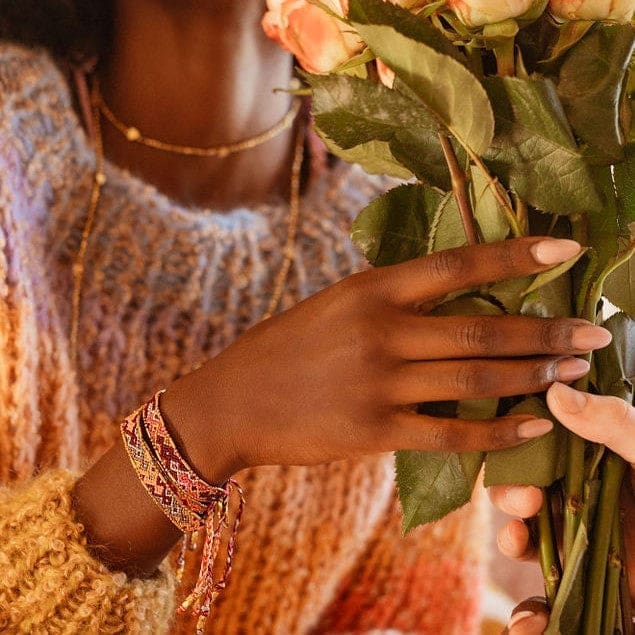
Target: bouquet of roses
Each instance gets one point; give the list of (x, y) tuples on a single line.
[(504, 119)]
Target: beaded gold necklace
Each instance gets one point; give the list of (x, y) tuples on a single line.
[(98, 108)]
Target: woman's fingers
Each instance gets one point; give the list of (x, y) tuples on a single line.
[(443, 272), (462, 337), (412, 431), (516, 500), (606, 420), (418, 382), (528, 618)]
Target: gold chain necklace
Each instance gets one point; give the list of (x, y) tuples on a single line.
[(99, 180), (134, 135)]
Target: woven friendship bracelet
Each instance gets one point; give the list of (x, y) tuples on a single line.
[(186, 499), (152, 477), (185, 478)]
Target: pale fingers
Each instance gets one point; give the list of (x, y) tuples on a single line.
[(513, 541), (461, 337), (443, 272), (606, 420), (419, 382), (516, 500)]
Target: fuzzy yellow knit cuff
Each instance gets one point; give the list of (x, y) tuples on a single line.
[(50, 583)]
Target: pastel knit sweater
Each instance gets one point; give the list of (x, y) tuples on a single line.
[(320, 548)]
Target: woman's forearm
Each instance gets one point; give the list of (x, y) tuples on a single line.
[(125, 527)]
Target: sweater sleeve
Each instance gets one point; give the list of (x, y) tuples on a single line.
[(51, 584)]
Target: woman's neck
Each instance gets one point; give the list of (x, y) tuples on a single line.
[(198, 73)]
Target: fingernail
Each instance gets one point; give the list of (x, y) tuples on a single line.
[(589, 337), (533, 428), (554, 251), (519, 617), (570, 400), (572, 368)]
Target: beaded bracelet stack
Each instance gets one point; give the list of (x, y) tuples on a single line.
[(186, 499)]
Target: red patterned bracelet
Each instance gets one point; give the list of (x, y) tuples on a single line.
[(186, 499)]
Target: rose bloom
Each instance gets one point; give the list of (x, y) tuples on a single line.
[(614, 10), (480, 12), (319, 41)]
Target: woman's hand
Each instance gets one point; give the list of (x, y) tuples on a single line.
[(340, 374), (606, 420)]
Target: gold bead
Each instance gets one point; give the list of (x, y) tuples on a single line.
[(100, 178), (133, 134)]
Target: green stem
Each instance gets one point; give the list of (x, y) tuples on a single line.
[(614, 469), (548, 550), (625, 605), (614, 571), (575, 468), (459, 188)]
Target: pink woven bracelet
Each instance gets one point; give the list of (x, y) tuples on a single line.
[(186, 499)]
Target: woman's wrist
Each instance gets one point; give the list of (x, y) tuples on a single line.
[(206, 443)]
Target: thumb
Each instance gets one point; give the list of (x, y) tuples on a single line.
[(606, 420), (528, 618)]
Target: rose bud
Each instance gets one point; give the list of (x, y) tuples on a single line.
[(479, 12), (613, 10), (319, 41)]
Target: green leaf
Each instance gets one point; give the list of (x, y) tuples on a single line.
[(489, 216), (431, 485), (547, 276), (509, 293), (375, 157), (538, 461), (447, 231), (420, 151), (591, 97), (394, 227), (553, 299), (352, 111), (449, 91), (534, 151), (615, 364), (619, 287), (403, 21), (467, 304), (624, 179)]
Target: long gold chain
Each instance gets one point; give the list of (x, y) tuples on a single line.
[(134, 135), (99, 180)]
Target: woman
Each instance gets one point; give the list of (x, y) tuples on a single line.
[(606, 420), (127, 268)]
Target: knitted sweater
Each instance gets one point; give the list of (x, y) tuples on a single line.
[(320, 548)]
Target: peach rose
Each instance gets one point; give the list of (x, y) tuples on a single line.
[(319, 41), (480, 12), (614, 10)]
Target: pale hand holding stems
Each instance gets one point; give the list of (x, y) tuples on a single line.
[(507, 119)]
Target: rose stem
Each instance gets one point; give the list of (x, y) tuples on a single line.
[(614, 571), (459, 187), (548, 549), (574, 475), (614, 469), (625, 604)]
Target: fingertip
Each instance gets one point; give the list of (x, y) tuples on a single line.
[(513, 540)]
